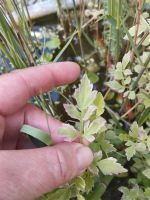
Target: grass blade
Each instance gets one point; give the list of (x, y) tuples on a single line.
[(37, 134)]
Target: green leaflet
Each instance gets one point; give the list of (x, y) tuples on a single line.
[(93, 167), (132, 95), (90, 105), (137, 141), (148, 143), (147, 192), (72, 111), (89, 181), (69, 131), (127, 81), (54, 42), (59, 194), (134, 130), (130, 152), (94, 78), (131, 194), (143, 26), (126, 59), (95, 126), (116, 86), (118, 74), (90, 111), (109, 166), (37, 133), (80, 197), (127, 72), (145, 98), (140, 147), (146, 173), (84, 94), (100, 104), (80, 183), (106, 146)]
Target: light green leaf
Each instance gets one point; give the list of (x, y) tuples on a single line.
[(147, 190), (94, 78), (145, 98), (127, 72), (37, 134), (80, 183), (130, 152), (93, 167), (124, 190), (100, 104), (127, 81), (118, 73), (90, 111), (146, 173), (119, 66), (59, 194), (146, 42), (98, 156), (126, 60), (142, 134), (144, 57), (89, 181), (123, 137), (72, 111), (143, 26), (46, 57), (138, 68), (54, 42), (84, 94), (132, 95), (129, 143), (80, 197), (140, 147), (134, 130), (106, 146), (133, 194), (94, 127), (109, 166), (126, 94), (148, 143), (69, 131), (89, 138), (116, 86)]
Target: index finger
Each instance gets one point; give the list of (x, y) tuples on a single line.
[(16, 88)]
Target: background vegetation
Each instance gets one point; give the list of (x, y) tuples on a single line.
[(110, 39)]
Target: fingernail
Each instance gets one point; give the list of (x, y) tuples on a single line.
[(84, 157)]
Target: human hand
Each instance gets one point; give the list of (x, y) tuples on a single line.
[(27, 172)]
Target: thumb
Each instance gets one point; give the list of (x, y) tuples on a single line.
[(27, 174)]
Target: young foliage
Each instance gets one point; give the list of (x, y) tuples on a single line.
[(91, 127), (89, 106), (137, 141), (109, 166)]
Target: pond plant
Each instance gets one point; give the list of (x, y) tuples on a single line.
[(108, 109)]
